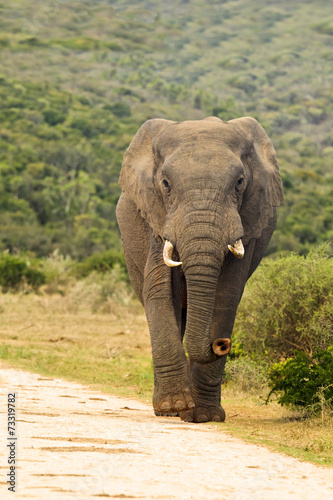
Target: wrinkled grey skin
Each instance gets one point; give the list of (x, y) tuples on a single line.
[(201, 185)]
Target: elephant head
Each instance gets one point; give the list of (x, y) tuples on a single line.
[(205, 188)]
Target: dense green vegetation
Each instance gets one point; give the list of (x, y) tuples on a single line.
[(78, 79), (284, 331), (288, 305), (16, 273), (59, 170)]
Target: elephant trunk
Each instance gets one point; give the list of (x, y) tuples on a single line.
[(202, 270), (202, 246), (200, 307)]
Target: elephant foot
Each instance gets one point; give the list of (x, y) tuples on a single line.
[(171, 404), (166, 414), (201, 414)]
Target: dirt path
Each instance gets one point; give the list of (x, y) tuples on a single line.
[(74, 442)]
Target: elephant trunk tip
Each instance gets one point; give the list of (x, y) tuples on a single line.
[(221, 346)]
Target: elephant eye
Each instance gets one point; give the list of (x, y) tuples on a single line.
[(239, 183), (166, 185)]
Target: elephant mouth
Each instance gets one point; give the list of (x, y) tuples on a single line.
[(237, 249)]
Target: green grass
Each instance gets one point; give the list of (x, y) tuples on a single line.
[(124, 375)]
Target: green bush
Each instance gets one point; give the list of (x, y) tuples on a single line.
[(58, 271), (99, 292), (245, 375), (53, 116), (34, 278), (16, 272), (119, 109), (304, 382), (11, 272), (101, 262), (288, 305)]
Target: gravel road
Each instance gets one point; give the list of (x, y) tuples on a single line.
[(74, 442)]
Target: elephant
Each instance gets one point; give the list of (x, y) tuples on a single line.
[(197, 210)]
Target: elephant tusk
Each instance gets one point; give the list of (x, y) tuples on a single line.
[(167, 255), (237, 249)]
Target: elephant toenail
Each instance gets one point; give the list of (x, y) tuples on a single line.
[(165, 406), (217, 418), (202, 418), (191, 404), (180, 405)]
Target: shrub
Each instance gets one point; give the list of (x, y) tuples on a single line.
[(11, 272), (120, 109), (288, 304), (58, 271), (87, 127), (245, 375), (15, 272), (99, 292), (53, 116), (34, 277), (304, 382), (101, 262)]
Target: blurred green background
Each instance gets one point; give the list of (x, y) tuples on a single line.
[(77, 79)]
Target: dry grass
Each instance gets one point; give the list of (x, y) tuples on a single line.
[(58, 335), (55, 335), (278, 428)]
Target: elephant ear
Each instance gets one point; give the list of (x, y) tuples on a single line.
[(264, 191), (137, 174)]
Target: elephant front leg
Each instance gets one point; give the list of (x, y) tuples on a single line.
[(172, 387), (207, 379), (206, 390)]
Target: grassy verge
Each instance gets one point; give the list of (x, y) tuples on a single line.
[(111, 352), (49, 335), (278, 428)]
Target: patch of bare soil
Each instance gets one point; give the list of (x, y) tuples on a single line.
[(74, 442)]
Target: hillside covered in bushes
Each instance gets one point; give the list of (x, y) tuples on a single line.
[(78, 78)]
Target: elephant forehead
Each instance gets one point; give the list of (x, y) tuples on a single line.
[(200, 138), (192, 159), (201, 131)]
